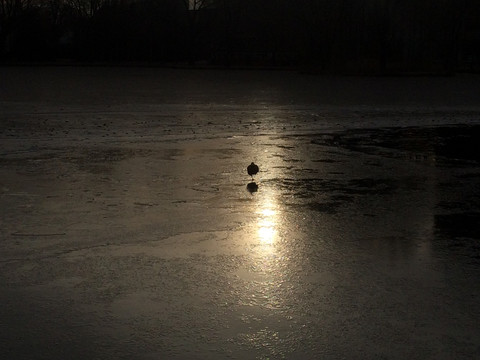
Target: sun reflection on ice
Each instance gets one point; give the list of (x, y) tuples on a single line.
[(267, 223), (266, 273), (266, 278)]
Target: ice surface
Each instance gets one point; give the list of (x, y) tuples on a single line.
[(128, 230)]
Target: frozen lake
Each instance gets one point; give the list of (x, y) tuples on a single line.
[(128, 231)]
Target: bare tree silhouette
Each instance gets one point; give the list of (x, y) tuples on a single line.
[(361, 36)]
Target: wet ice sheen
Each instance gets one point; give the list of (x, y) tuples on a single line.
[(139, 237)]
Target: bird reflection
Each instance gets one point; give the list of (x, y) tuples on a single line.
[(252, 187)]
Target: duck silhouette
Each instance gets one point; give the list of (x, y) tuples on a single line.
[(252, 169)]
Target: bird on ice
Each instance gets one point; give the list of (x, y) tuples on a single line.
[(252, 169)]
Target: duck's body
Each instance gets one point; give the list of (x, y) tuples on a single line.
[(252, 169)]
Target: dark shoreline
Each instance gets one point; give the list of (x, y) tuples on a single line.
[(185, 66)]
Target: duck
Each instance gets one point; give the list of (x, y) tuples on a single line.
[(252, 169)]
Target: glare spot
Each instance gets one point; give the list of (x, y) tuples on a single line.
[(266, 234), (267, 223), (267, 212)]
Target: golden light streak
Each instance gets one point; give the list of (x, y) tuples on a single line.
[(267, 223)]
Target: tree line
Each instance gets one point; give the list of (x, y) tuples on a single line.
[(349, 36)]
